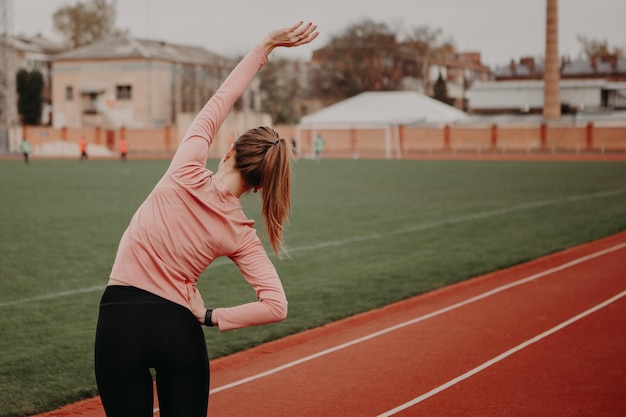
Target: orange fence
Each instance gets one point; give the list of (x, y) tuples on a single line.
[(140, 141), (407, 140), (371, 143)]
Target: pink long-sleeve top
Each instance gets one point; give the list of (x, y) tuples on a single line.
[(190, 218)]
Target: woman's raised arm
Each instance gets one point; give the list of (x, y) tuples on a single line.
[(208, 121)]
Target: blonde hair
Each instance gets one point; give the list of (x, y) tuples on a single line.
[(264, 160)]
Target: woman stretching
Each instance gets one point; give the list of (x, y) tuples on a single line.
[(150, 311)]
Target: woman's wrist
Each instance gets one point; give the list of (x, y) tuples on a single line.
[(267, 45), (199, 315)]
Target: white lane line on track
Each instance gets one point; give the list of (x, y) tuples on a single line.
[(333, 243), (421, 318), (437, 313), (501, 357)]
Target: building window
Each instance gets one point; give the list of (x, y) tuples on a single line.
[(90, 103), (69, 93), (123, 92)]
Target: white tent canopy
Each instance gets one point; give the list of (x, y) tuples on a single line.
[(382, 110)]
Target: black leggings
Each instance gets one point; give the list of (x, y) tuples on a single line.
[(138, 331)]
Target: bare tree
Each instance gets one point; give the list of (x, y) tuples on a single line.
[(593, 48), (367, 56), (424, 44), (361, 58), (85, 23), (281, 89)]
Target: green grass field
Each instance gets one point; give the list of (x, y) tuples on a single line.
[(362, 234)]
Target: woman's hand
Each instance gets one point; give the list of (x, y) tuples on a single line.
[(296, 35), (196, 302)]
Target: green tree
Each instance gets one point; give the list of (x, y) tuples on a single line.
[(29, 102), (85, 23), (440, 91)]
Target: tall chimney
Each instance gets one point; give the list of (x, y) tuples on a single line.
[(551, 75)]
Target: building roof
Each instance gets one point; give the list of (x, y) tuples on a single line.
[(35, 44), (538, 84), (384, 108), (530, 68), (124, 46), (597, 67)]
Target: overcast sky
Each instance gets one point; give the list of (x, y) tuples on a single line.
[(500, 29)]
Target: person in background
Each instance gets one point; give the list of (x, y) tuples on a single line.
[(151, 311), (25, 147), (123, 148), (319, 147), (82, 145)]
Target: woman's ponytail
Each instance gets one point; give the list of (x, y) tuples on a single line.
[(264, 160)]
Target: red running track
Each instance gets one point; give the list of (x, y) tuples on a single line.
[(546, 338)]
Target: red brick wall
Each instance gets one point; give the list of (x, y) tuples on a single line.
[(609, 139), (567, 139)]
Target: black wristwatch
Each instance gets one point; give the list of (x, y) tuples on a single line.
[(207, 317)]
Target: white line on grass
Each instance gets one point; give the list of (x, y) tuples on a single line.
[(332, 243), (421, 318), (53, 295), (501, 357), (463, 218)]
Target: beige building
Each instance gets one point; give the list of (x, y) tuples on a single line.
[(137, 84)]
